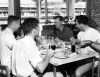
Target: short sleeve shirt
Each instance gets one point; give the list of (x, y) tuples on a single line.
[(25, 57), (90, 34), (65, 34), (7, 38)]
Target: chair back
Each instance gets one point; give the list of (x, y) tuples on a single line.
[(4, 71)]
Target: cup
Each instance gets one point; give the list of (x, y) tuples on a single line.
[(53, 47), (73, 48)]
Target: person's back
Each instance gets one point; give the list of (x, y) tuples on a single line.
[(22, 51), (26, 56)]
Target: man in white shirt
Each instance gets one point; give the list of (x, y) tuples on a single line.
[(86, 33), (8, 40), (26, 56)]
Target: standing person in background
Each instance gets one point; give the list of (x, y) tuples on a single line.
[(8, 40), (26, 55), (86, 33)]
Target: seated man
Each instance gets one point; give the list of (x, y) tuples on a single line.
[(26, 56), (86, 33), (63, 33)]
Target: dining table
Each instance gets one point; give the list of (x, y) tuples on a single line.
[(60, 58)]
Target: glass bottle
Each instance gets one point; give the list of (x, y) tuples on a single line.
[(73, 47)]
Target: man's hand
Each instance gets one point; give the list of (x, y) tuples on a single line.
[(85, 43), (57, 40), (72, 40), (50, 53)]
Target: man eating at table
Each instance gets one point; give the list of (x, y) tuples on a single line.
[(86, 33), (63, 33), (26, 56)]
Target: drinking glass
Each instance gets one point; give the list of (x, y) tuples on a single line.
[(53, 47)]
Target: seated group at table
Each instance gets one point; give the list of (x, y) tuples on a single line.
[(23, 56)]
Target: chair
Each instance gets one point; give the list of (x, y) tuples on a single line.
[(51, 74), (4, 72)]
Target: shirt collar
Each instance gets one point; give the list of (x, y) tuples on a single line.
[(7, 29), (29, 38)]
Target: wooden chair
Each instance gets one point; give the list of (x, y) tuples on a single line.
[(4, 71)]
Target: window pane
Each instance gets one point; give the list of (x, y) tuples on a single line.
[(80, 7), (3, 11)]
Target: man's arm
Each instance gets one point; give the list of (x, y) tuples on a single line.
[(96, 45), (69, 34), (93, 45), (72, 40), (41, 66)]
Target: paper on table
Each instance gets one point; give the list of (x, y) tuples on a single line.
[(72, 54)]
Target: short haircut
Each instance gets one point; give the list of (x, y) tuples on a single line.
[(12, 18), (29, 24), (60, 18), (82, 19)]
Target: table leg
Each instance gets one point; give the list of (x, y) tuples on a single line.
[(98, 67), (93, 67), (54, 71)]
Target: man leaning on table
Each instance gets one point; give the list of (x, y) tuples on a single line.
[(26, 56), (62, 33), (86, 33)]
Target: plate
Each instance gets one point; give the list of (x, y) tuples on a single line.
[(60, 55), (61, 49)]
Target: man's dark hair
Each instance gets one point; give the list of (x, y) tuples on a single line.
[(60, 18), (29, 24), (12, 18), (82, 19)]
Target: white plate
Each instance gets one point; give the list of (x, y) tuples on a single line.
[(60, 55)]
